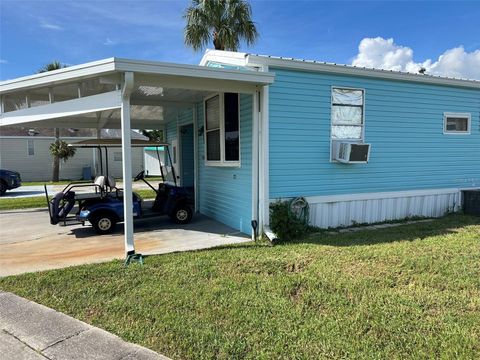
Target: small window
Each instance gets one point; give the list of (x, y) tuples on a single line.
[(222, 130), (456, 123), (31, 147), (347, 114), (117, 156)]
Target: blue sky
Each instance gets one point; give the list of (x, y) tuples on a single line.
[(34, 33)]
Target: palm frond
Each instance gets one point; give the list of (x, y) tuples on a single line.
[(226, 22)]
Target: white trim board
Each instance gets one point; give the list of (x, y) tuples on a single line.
[(380, 195)]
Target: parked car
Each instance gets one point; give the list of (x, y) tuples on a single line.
[(9, 180)]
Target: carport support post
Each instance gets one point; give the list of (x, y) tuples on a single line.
[(127, 166)]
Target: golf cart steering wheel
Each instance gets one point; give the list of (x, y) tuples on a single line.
[(139, 176)]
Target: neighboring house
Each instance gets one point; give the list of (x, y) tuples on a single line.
[(152, 158), (360, 145), (27, 152)]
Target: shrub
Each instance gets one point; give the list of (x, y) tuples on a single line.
[(287, 224)]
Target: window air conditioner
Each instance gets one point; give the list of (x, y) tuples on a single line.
[(352, 153)]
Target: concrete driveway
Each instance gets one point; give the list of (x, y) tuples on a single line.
[(27, 191), (29, 243)]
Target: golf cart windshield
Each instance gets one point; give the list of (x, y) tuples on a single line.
[(167, 172)]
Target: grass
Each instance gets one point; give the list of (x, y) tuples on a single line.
[(407, 292), (39, 201)]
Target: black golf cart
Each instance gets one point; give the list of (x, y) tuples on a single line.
[(102, 205)]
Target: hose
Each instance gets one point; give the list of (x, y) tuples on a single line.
[(300, 209)]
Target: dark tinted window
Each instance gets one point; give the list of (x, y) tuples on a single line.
[(232, 133)]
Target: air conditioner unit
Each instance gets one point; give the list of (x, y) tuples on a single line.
[(352, 153)]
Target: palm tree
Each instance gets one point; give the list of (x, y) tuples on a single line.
[(225, 22), (54, 65)]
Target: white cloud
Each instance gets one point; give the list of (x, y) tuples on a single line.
[(383, 53), (50, 26), (109, 42), (3, 61)]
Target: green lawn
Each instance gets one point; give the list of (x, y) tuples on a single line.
[(40, 201), (411, 291)]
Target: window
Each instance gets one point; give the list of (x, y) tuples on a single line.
[(347, 114), (31, 147), (222, 130), (456, 123)]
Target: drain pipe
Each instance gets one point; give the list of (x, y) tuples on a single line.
[(255, 227)]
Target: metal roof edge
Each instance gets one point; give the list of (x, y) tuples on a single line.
[(174, 69), (291, 63), (60, 75), (236, 58)]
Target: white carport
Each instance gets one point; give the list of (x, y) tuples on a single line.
[(126, 94)]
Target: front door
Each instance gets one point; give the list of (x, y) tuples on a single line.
[(175, 161), (187, 156)]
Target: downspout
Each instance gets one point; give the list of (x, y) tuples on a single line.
[(264, 163), (255, 164), (195, 156)]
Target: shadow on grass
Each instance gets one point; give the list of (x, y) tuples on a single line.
[(402, 232)]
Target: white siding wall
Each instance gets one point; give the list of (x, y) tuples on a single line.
[(38, 167), (346, 210)]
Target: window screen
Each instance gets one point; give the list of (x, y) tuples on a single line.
[(347, 113), (212, 128), (457, 123), (222, 129)]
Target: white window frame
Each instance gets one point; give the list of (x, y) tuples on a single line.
[(222, 162), (467, 116), (332, 140)]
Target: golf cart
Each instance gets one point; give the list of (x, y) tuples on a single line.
[(102, 204)]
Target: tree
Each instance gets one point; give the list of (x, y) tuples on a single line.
[(225, 22), (54, 65), (61, 150), (153, 135)]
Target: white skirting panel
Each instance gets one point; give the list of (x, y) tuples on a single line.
[(347, 210)]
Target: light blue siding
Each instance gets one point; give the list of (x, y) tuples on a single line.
[(403, 123), (224, 193)]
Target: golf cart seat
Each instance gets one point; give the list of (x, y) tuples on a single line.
[(111, 186), (100, 189)]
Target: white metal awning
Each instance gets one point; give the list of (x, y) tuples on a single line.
[(125, 94), (88, 95)]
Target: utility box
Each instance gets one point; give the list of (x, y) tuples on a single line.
[(87, 173), (471, 202)]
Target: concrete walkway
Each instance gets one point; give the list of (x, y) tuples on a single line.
[(29, 331)]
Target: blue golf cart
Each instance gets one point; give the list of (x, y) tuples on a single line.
[(102, 204)]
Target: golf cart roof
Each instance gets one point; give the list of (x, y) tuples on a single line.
[(115, 143)]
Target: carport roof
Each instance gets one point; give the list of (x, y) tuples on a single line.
[(120, 65), (89, 96)]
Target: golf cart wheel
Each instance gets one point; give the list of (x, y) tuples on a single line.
[(3, 188), (104, 223), (182, 214)]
